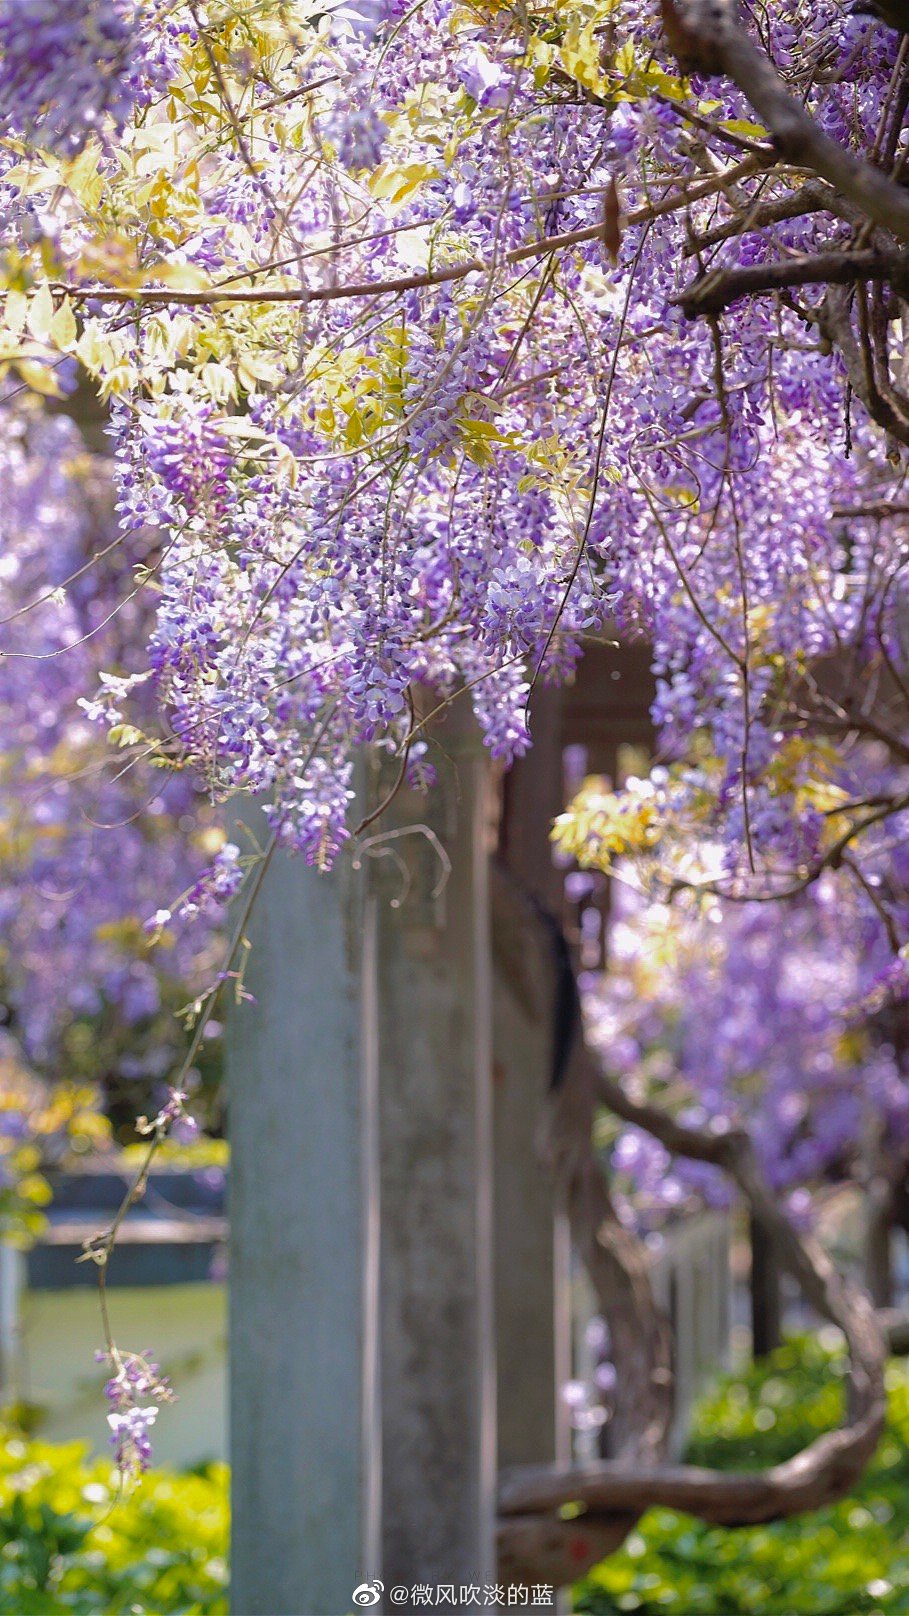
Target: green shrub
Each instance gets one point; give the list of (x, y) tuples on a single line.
[(849, 1560), (70, 1543)]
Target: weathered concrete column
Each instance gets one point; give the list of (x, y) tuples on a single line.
[(362, 1334), (304, 1478), (12, 1282), (532, 1241), (435, 1041)]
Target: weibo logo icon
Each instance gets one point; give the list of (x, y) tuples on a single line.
[(368, 1593)]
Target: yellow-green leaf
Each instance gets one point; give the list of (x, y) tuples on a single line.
[(41, 313), (63, 328), (15, 311)]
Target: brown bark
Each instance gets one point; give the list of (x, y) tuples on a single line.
[(707, 36), (825, 1471), (620, 1490), (718, 290)]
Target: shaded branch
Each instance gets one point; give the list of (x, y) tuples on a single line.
[(895, 1325), (812, 197), (819, 1475), (834, 321), (720, 288), (824, 1471), (707, 37)]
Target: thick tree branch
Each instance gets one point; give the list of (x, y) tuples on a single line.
[(718, 289), (819, 1475), (812, 197), (824, 1471), (707, 36)]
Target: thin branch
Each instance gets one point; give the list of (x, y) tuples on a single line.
[(876, 507), (205, 297)]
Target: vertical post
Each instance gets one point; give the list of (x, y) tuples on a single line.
[(766, 1302), (532, 1242), (300, 1375), (878, 1210), (438, 1350), (12, 1283), (362, 1334), (878, 1241)]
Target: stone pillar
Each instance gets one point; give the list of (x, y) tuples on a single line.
[(12, 1284), (362, 1334), (304, 1477), (435, 1030)]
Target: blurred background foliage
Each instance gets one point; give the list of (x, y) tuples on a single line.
[(71, 1543), (849, 1560)]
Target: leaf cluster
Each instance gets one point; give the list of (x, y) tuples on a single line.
[(69, 1542)]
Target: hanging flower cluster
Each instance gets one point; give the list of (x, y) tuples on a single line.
[(135, 1392), (413, 446)]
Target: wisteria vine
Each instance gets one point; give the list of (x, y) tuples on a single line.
[(432, 343)]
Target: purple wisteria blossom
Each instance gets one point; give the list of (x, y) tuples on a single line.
[(135, 1392), (73, 68)]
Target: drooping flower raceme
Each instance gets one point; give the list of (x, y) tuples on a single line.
[(135, 1392)]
